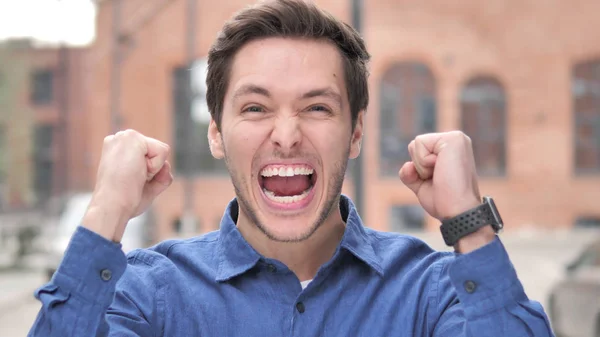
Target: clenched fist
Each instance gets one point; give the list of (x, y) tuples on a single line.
[(443, 176), (133, 170), (442, 173)]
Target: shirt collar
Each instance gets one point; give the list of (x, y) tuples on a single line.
[(237, 256), (356, 240)]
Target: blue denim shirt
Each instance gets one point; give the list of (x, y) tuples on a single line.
[(376, 284)]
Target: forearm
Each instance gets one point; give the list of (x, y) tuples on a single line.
[(106, 218)]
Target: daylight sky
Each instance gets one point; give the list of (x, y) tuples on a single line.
[(51, 21)]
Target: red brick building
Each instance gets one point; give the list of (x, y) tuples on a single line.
[(43, 130), (522, 78)]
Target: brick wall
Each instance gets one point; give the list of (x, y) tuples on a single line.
[(528, 46)]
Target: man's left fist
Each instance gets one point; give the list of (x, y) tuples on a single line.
[(442, 173)]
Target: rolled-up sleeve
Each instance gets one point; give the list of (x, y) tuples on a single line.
[(482, 296)]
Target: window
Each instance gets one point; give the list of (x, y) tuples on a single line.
[(42, 87), (3, 154), (177, 226), (407, 218), (407, 108), (192, 153), (586, 107), (587, 222), (43, 161), (483, 118), (3, 166)]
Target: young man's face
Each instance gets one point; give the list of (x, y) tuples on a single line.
[(286, 134)]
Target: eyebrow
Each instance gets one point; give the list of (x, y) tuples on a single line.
[(250, 89), (324, 92)]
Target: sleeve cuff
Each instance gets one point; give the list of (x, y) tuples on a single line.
[(91, 266), (485, 280)]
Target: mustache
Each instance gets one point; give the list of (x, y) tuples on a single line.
[(278, 154)]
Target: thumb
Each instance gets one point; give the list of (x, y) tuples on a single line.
[(410, 177), (157, 154), (159, 182)]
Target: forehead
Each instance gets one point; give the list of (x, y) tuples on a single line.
[(288, 64)]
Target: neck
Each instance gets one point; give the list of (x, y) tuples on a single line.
[(303, 258)]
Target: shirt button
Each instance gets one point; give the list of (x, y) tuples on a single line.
[(271, 268), (106, 274), (300, 307), (470, 287)]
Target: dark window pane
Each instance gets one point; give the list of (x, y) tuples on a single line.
[(192, 153), (483, 118), (407, 218), (3, 167), (43, 161), (587, 222), (585, 90), (177, 226), (181, 115), (3, 155), (407, 108), (42, 89)]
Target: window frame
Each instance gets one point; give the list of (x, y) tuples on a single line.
[(422, 92), (579, 120), (489, 137)]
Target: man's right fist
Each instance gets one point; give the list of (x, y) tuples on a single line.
[(133, 170)]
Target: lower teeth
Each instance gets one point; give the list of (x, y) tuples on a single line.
[(286, 199)]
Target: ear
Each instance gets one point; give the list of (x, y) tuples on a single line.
[(215, 140), (357, 136)]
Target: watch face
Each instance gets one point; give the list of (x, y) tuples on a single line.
[(498, 219)]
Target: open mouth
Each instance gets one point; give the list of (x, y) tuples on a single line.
[(287, 184)]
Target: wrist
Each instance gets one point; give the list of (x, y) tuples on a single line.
[(459, 207), (478, 239), (108, 221), (473, 228)]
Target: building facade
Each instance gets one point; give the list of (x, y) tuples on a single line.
[(521, 78), (42, 135)]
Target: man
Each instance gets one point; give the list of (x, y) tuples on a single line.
[(287, 89)]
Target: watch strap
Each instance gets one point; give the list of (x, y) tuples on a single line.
[(466, 223)]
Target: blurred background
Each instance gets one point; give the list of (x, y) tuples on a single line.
[(520, 77)]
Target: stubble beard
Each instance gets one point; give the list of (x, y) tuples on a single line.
[(332, 199)]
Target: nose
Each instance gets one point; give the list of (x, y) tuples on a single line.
[(286, 133)]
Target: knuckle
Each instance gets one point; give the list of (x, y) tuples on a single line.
[(463, 136), (130, 133), (457, 134), (468, 139)]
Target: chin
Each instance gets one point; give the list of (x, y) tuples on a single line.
[(288, 198), (288, 230)]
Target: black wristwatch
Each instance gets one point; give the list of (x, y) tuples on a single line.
[(470, 221)]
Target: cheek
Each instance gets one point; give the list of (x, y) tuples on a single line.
[(244, 140), (329, 140)]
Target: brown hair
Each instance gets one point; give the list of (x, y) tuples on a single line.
[(286, 18)]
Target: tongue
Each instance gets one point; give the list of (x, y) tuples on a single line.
[(286, 186)]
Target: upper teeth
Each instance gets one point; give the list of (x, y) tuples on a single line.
[(286, 171)]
